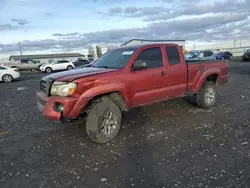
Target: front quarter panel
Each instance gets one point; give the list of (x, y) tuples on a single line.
[(100, 90)]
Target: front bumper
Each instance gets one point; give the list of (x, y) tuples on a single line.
[(46, 105), (246, 57)]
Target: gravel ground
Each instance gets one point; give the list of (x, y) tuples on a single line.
[(169, 144)]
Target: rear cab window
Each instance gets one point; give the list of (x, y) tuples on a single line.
[(173, 55)]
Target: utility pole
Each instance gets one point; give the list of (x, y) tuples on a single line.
[(194, 44), (20, 48)]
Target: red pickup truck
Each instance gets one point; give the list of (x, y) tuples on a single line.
[(125, 78)]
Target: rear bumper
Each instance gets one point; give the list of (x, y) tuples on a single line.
[(47, 105), (16, 75)]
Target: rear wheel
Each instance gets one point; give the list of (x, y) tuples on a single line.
[(7, 78), (48, 70), (69, 67), (207, 96), (103, 121)]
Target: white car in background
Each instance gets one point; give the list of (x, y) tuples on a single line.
[(8, 74), (57, 65)]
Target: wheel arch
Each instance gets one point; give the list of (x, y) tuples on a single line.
[(48, 67), (116, 93), (208, 77)]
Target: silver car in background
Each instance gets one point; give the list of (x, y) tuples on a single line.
[(24, 65), (200, 55)]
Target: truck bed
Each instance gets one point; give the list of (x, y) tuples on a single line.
[(204, 61), (200, 68)]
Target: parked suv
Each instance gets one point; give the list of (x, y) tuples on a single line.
[(200, 55), (246, 56), (81, 62), (57, 65)]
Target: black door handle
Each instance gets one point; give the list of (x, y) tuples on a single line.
[(163, 73)]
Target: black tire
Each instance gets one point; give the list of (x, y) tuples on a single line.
[(7, 78), (207, 96), (94, 127), (38, 68), (69, 67), (48, 70)]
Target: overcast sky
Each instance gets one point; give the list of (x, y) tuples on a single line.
[(69, 25)]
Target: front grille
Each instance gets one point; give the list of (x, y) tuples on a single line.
[(45, 85)]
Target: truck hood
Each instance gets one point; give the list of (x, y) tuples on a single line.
[(74, 74)]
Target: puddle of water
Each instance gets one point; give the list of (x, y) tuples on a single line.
[(21, 88)]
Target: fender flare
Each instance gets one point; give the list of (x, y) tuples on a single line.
[(90, 94), (205, 75)]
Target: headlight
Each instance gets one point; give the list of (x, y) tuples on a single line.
[(63, 88)]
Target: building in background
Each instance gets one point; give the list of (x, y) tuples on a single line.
[(140, 41), (46, 58)]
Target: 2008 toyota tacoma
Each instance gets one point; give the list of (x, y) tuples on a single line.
[(125, 78)]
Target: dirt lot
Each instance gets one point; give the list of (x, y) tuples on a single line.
[(170, 144)]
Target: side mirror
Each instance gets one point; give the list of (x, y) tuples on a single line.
[(139, 65)]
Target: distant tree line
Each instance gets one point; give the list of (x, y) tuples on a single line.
[(92, 53)]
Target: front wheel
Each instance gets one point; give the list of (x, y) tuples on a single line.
[(7, 78), (69, 67), (103, 121), (207, 96), (48, 70)]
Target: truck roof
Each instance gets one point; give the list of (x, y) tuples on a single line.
[(144, 44)]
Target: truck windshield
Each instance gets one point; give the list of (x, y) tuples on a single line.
[(115, 59)]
